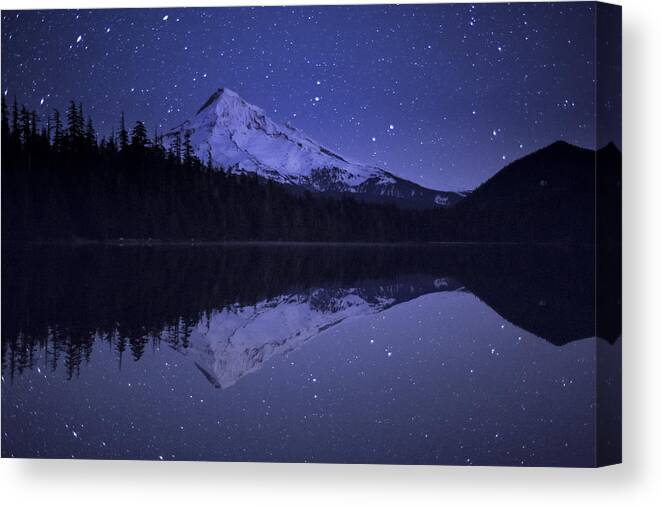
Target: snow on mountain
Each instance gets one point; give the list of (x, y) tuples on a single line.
[(239, 135)]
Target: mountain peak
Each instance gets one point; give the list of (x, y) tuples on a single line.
[(221, 93), (561, 143), (610, 148), (233, 133)]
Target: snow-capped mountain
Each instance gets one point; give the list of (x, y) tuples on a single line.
[(239, 135)]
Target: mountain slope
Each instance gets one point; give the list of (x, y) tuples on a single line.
[(238, 135), (548, 195)]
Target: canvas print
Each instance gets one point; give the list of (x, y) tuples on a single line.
[(384, 234)]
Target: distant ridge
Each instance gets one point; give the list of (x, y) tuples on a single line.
[(548, 195)]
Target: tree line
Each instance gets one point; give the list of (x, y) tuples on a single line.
[(62, 181)]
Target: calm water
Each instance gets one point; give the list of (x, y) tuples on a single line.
[(440, 355)]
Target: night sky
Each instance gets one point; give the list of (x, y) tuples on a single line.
[(444, 95)]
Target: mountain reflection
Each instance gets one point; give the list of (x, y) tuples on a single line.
[(231, 308), (239, 339)]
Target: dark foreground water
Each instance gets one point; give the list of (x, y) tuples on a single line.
[(438, 355)]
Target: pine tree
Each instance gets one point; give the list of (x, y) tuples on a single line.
[(57, 132), (25, 125), (33, 124), (81, 118), (176, 147), (5, 120), (188, 149), (90, 134), (123, 134), (139, 136), (112, 147), (47, 130), (209, 161), (74, 131), (14, 119)]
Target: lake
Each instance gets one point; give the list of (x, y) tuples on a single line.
[(438, 354)]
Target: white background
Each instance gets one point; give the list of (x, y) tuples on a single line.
[(636, 482)]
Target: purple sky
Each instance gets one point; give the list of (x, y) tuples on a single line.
[(444, 95)]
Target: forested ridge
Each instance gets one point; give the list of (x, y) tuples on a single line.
[(61, 181)]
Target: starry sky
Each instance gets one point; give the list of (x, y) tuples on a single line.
[(444, 95)]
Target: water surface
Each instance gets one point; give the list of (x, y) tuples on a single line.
[(389, 354)]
